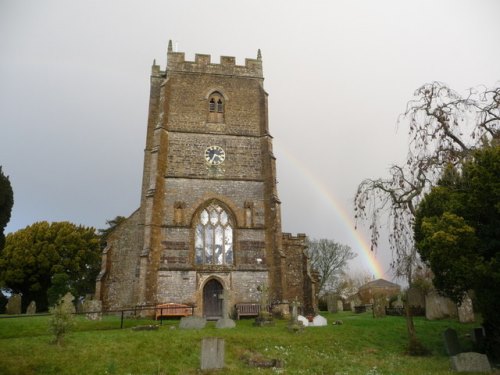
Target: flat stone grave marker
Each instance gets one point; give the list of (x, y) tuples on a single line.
[(451, 343), (192, 322), (470, 362), (212, 353)]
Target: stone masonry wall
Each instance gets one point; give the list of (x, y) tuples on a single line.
[(119, 283)]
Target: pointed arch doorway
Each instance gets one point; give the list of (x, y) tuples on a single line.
[(212, 300)]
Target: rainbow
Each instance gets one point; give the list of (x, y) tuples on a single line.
[(359, 243)]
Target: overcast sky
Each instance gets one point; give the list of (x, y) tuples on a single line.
[(74, 91)]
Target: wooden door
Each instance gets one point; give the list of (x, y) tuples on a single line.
[(212, 301)]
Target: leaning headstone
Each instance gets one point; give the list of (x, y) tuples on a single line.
[(31, 309), (451, 343), (212, 353), (319, 321), (470, 362), (192, 322), (93, 309), (466, 311)]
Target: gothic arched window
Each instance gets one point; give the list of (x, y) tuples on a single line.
[(213, 236), (216, 107)]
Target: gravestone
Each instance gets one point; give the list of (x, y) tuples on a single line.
[(340, 305), (379, 302), (192, 322), (319, 321), (225, 321), (93, 309), (478, 339), (451, 344), (13, 305), (466, 311), (31, 309), (212, 353), (67, 303), (353, 305), (331, 302), (470, 362), (439, 307)]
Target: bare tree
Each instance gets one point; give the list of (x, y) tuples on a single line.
[(443, 129), (329, 259)]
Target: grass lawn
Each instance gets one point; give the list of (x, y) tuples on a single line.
[(362, 345)]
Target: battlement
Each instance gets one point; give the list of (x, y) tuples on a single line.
[(176, 62), (300, 237)]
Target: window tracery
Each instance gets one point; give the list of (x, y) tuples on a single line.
[(213, 236)]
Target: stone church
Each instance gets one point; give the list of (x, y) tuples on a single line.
[(209, 218)]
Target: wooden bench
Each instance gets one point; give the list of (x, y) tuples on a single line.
[(247, 309), (173, 309)]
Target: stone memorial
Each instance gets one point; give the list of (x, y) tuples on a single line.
[(451, 344), (470, 362), (225, 321), (13, 306), (478, 339), (331, 302), (67, 303), (340, 305), (466, 311), (439, 307), (319, 321), (192, 322), (31, 309), (379, 303), (212, 353), (93, 309)]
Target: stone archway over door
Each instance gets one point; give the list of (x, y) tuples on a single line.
[(212, 301)]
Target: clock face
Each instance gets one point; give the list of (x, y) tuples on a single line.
[(215, 155)]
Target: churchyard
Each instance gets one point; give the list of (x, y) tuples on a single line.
[(360, 345)]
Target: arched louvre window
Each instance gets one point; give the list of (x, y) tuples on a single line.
[(216, 107), (213, 236), (212, 105)]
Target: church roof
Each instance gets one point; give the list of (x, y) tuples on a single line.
[(379, 283)]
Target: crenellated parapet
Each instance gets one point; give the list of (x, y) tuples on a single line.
[(176, 62)]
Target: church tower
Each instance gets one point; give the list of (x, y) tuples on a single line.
[(209, 220)]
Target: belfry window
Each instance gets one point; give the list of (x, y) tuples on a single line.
[(216, 107), (213, 236)]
